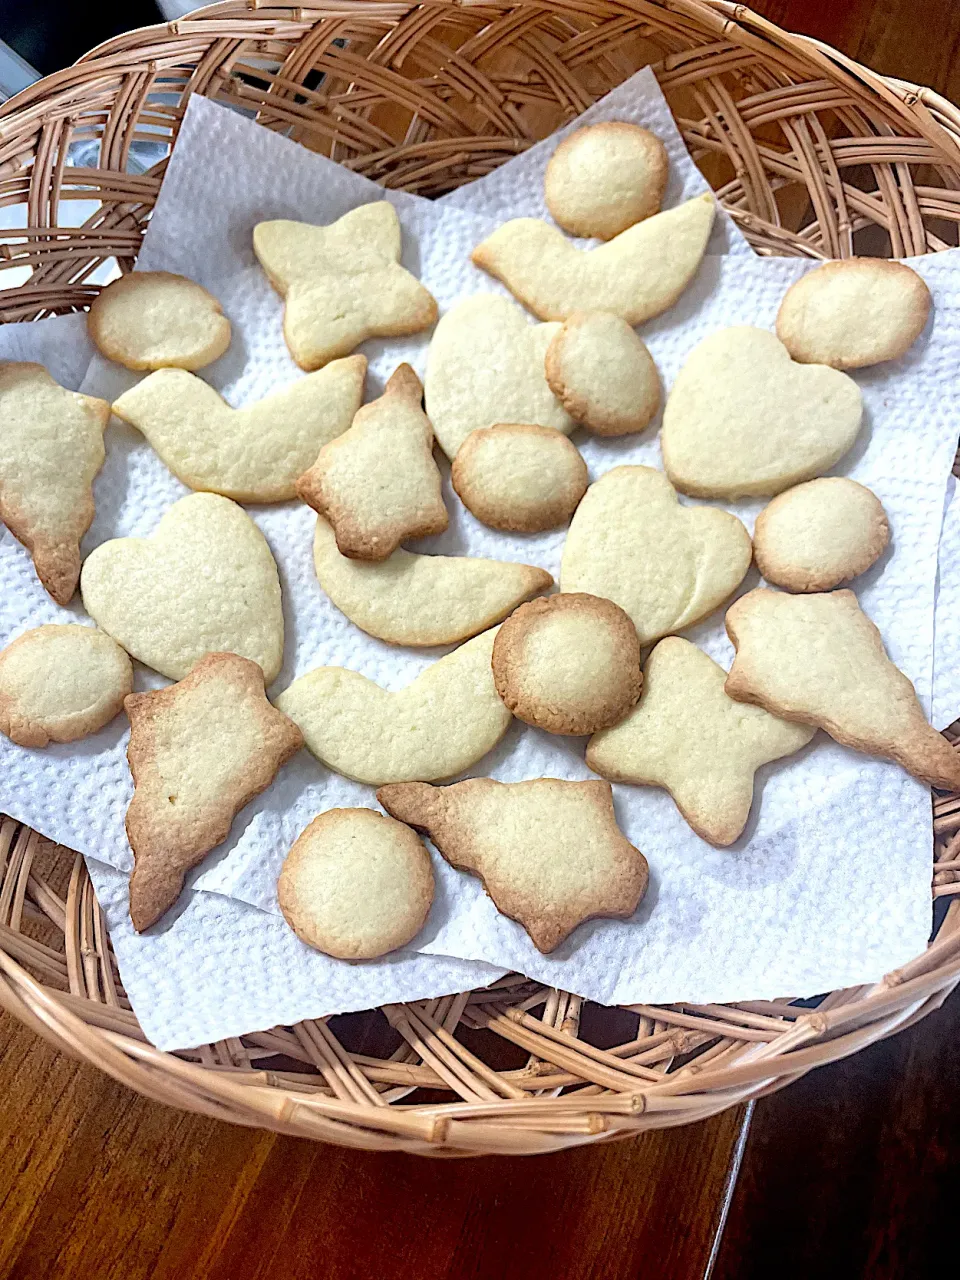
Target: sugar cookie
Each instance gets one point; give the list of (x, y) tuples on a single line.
[(519, 477), (687, 736), (667, 566), (61, 683), (605, 177), (199, 751), (484, 366), (342, 283), (742, 419), (378, 485), (253, 454), (205, 581), (844, 683), (158, 320), (853, 313), (569, 664), (549, 853), (435, 727), (636, 275), (819, 534), (602, 374), (51, 447), (422, 600)]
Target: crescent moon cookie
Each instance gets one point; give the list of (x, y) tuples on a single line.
[(422, 600), (605, 177), (342, 283), (819, 534), (853, 313), (686, 735), (435, 727), (158, 320), (51, 448), (844, 683), (199, 751), (744, 420), (378, 485), (356, 884), (549, 853), (636, 275), (603, 375), (61, 683), (519, 477), (253, 454)]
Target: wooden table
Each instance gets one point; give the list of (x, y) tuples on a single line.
[(849, 1172)]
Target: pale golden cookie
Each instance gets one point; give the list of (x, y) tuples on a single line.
[(603, 375), (666, 565), (356, 885), (51, 448), (819, 534), (60, 683), (422, 600), (605, 177), (519, 477), (378, 485), (569, 664), (549, 853), (743, 420), (435, 727), (687, 736), (342, 283), (158, 320), (205, 581), (853, 313), (817, 659), (636, 275), (484, 366), (253, 454), (199, 751)]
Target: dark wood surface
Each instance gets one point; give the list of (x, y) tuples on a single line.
[(852, 1171)]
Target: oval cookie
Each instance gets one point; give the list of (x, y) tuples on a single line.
[(602, 374), (158, 320), (519, 477), (605, 177)]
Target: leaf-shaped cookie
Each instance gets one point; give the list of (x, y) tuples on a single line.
[(665, 565), (342, 283), (254, 454), (51, 447), (204, 582), (435, 727), (744, 419), (636, 275), (422, 600), (485, 366)]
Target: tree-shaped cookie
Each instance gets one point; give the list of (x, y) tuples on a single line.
[(818, 659), (199, 751), (342, 283), (51, 447), (549, 852), (688, 736), (377, 484)]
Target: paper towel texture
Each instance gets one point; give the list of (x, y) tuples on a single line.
[(946, 626)]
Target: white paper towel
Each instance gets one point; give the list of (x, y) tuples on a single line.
[(946, 657)]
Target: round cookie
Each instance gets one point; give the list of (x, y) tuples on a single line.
[(853, 313), (605, 177), (61, 683), (356, 884), (569, 664), (158, 320), (519, 477), (819, 534), (602, 374)]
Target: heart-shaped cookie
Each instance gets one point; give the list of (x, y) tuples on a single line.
[(743, 419), (665, 565), (204, 582), (485, 366)]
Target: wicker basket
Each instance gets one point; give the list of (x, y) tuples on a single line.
[(811, 154)]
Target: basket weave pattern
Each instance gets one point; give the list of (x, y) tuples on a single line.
[(813, 155)]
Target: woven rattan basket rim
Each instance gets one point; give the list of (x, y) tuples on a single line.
[(771, 117)]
